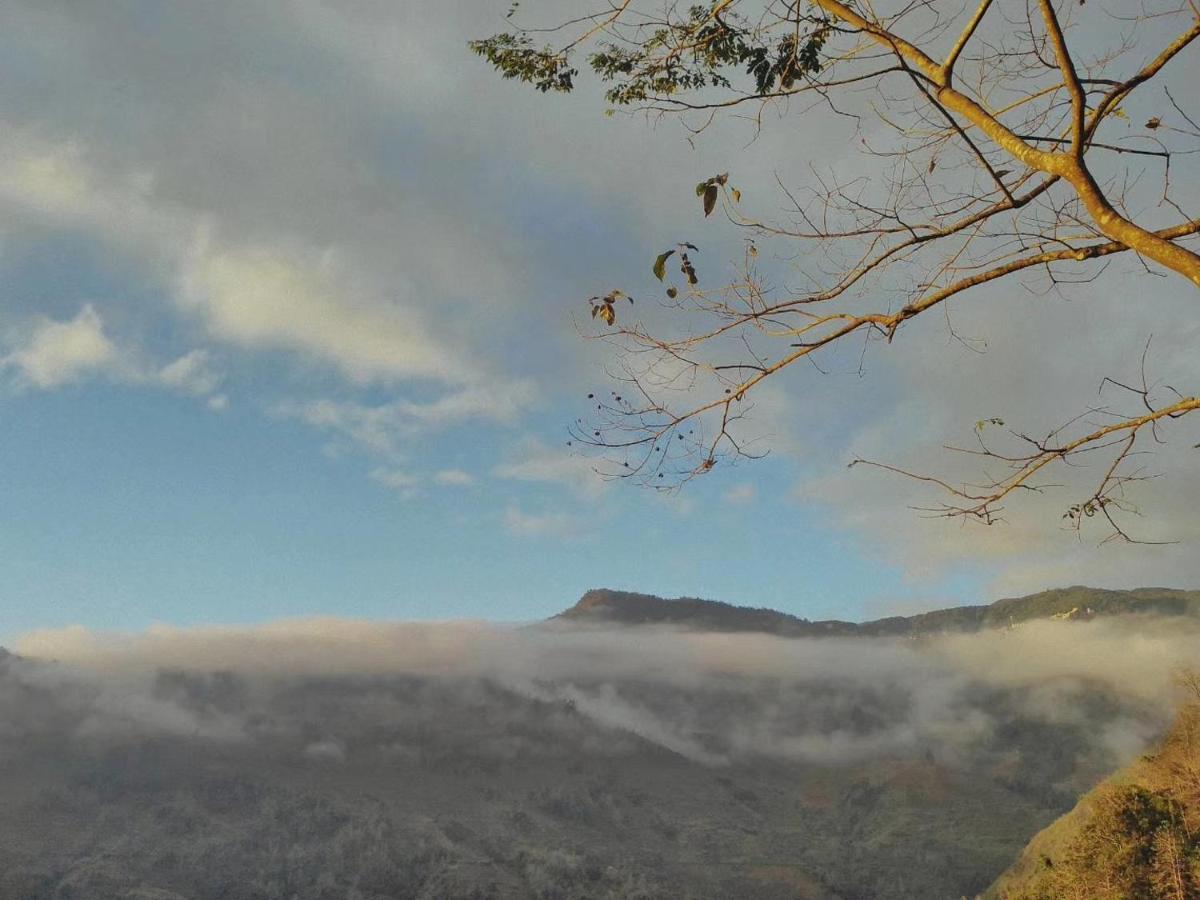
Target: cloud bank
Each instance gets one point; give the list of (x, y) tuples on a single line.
[(333, 686)]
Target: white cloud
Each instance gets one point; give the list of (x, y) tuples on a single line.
[(269, 299), (57, 353), (408, 484), (794, 698), (403, 483), (383, 428), (533, 460), (525, 524), (335, 226), (1033, 549), (373, 427), (454, 477), (327, 301), (191, 373), (934, 392), (740, 494), (678, 502), (497, 400), (1141, 661)]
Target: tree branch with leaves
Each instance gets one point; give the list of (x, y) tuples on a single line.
[(1000, 149)]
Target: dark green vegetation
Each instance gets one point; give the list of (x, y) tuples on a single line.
[(723, 50), (1136, 835), (850, 769)]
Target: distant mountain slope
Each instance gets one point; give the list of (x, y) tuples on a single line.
[(384, 786), (622, 607), (563, 763)]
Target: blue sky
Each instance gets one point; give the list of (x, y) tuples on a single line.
[(286, 306), (133, 507)]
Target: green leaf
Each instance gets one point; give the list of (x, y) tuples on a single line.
[(710, 198), (514, 56), (660, 265), (701, 188)]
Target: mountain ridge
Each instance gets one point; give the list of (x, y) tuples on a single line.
[(605, 606)]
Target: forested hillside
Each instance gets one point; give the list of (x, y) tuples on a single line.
[(1136, 835)]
